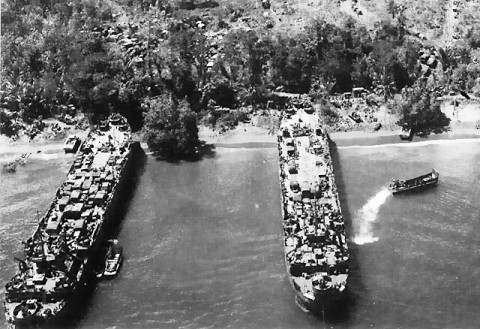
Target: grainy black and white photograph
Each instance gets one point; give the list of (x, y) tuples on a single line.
[(270, 164)]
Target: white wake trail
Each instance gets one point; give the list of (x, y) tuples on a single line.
[(368, 214)]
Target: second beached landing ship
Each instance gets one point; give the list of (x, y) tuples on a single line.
[(316, 251)]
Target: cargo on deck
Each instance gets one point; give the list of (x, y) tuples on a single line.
[(316, 250), (59, 255)]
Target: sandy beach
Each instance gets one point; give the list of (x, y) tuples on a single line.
[(243, 133), (463, 122), (44, 142), (455, 130)]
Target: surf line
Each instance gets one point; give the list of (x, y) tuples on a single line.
[(367, 215), (413, 144)]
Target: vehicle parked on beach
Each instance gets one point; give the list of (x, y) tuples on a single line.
[(406, 134), (72, 143)]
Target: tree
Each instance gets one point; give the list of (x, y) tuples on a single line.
[(170, 127), (420, 110)]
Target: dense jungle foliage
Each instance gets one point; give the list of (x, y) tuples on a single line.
[(98, 57)]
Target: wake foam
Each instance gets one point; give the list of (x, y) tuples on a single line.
[(368, 214)]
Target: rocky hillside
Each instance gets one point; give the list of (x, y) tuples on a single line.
[(96, 57)]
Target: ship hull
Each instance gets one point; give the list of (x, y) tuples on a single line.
[(317, 303), (415, 188), (68, 308), (84, 285), (416, 184), (305, 157)]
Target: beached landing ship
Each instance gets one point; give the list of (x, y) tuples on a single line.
[(59, 257), (316, 251), (414, 184)]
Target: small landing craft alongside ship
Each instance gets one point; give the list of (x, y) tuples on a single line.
[(110, 260), (60, 256), (401, 186), (113, 260), (316, 251)]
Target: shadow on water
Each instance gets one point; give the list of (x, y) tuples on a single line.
[(138, 168), (81, 303), (341, 311), (202, 151)]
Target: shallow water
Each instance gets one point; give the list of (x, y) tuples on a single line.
[(204, 249)]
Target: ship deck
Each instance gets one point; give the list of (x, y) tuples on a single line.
[(316, 250), (57, 255)]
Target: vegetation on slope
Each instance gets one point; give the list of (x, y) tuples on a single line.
[(99, 57)]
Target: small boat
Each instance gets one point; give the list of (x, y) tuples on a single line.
[(113, 260), (72, 143), (420, 182)]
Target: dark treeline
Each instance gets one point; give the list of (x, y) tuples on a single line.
[(83, 55)]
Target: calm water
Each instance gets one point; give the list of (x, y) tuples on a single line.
[(203, 240)]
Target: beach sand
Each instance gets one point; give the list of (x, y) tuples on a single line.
[(243, 133), (43, 142), (455, 130), (463, 122)]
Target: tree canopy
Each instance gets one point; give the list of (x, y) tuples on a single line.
[(170, 127), (420, 110), (98, 57)]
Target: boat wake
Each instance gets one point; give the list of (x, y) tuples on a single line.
[(368, 214)]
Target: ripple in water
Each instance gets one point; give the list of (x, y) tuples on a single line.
[(368, 214)]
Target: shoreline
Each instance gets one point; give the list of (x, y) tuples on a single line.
[(247, 134), (242, 134), (40, 145), (354, 134)]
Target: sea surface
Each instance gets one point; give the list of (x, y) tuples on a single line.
[(203, 240)]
